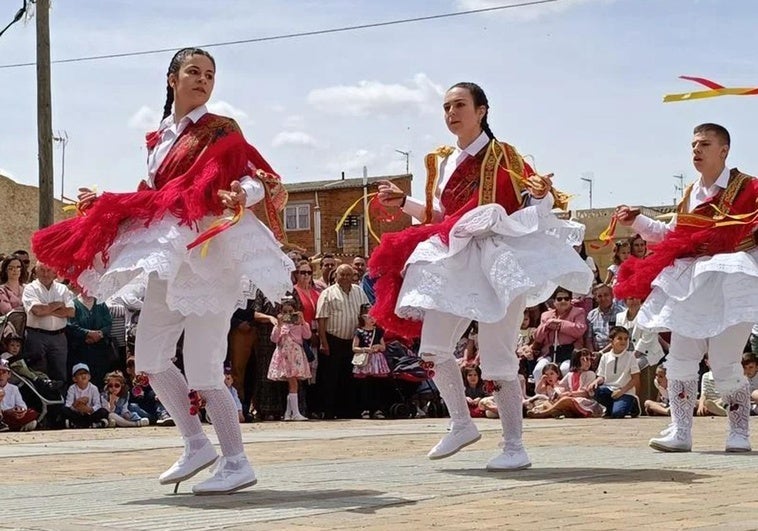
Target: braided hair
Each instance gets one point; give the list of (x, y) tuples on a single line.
[(176, 63), (480, 98)]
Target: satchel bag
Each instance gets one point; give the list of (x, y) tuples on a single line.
[(360, 359)]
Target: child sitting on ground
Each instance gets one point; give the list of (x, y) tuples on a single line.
[(14, 415), (115, 399), (618, 376), (660, 407), (142, 399), (546, 389), (480, 403), (710, 402), (229, 382), (83, 408), (573, 399), (750, 368)]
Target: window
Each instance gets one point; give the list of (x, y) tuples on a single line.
[(297, 217), (350, 235)]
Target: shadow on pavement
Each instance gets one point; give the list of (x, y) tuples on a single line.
[(586, 475), (362, 501)]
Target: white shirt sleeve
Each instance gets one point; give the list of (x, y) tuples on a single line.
[(545, 203), (650, 229), (254, 189)]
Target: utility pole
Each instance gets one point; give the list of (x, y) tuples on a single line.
[(44, 114), (589, 177), (62, 139), (407, 155), (679, 188)]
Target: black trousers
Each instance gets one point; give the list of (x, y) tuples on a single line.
[(82, 420), (336, 391)]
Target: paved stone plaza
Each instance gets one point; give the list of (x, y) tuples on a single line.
[(586, 474)]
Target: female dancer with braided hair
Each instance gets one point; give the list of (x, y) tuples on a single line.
[(198, 165), (489, 246)]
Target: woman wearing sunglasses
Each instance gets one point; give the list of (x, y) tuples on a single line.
[(561, 330)]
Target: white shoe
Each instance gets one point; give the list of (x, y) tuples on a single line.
[(298, 417), (668, 430), (189, 464), (29, 426), (143, 422), (509, 460), (738, 443), (672, 442), (453, 441), (227, 478)]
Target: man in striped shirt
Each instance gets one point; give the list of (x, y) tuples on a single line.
[(337, 312)]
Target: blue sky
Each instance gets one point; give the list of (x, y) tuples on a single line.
[(577, 84)]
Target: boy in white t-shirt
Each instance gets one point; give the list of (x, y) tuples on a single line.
[(618, 375), (14, 415), (83, 408)]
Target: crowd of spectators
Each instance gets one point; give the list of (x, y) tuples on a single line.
[(319, 355)]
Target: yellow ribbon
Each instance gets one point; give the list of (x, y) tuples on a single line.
[(366, 215), (714, 90), (216, 228)]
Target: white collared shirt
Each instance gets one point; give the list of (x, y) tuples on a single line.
[(35, 293), (170, 131), (654, 230)]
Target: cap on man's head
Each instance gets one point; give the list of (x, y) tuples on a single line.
[(4, 365), (79, 367)]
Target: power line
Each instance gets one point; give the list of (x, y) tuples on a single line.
[(18, 16), (294, 35)]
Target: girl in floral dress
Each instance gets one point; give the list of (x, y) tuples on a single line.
[(289, 362)]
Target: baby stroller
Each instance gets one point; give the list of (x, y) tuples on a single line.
[(414, 390), (43, 398)]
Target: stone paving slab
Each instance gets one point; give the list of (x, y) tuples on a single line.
[(587, 474)]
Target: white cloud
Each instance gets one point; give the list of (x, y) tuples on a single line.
[(145, 119), (383, 161), (224, 108), (375, 97), (526, 13), (294, 121), (294, 138)]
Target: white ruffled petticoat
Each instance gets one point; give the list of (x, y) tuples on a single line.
[(240, 259), (702, 297), (492, 258)]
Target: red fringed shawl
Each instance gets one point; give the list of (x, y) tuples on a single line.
[(478, 180), (723, 224), (206, 158)]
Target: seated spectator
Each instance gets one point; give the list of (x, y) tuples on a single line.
[(561, 330), (48, 305), (115, 398), (89, 340), (710, 402), (83, 407), (750, 368), (14, 415), (618, 376), (660, 407), (645, 345), (13, 278), (572, 398), (546, 389), (621, 251), (602, 318), (142, 399), (467, 348), (480, 402), (12, 354), (229, 383)]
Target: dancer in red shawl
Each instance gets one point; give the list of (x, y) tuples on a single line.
[(488, 246), (199, 164), (701, 283)]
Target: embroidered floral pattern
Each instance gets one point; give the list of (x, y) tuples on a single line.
[(428, 366)]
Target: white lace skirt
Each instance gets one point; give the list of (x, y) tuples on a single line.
[(702, 297), (242, 258), (491, 259)]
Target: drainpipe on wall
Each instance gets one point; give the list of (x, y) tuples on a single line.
[(365, 211), (316, 224)]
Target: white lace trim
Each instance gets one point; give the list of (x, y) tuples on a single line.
[(700, 298), (242, 258), (492, 258)]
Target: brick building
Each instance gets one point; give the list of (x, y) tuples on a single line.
[(315, 208)]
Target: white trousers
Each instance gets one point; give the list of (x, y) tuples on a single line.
[(205, 338), (497, 341), (724, 357)]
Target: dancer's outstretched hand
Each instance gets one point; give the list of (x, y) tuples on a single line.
[(234, 197), (86, 197), (390, 194), (626, 214), (539, 185)]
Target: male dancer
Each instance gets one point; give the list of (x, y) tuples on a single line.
[(704, 280)]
